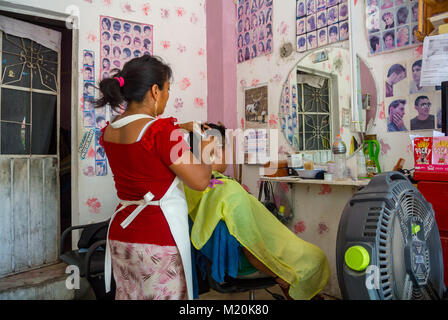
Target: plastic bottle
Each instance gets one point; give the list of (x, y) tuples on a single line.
[(361, 165), (339, 149)]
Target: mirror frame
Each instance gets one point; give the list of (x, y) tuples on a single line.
[(336, 121)]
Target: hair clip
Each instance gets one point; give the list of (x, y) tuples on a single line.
[(120, 81)]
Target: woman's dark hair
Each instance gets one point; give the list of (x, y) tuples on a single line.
[(139, 75)]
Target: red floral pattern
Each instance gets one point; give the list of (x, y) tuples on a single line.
[(147, 272)]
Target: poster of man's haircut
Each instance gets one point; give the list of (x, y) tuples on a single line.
[(320, 22), (390, 25), (409, 106)]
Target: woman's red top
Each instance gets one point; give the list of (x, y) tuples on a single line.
[(140, 167)]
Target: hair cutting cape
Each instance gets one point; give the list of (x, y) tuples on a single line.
[(303, 265)]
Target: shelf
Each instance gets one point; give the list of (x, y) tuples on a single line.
[(292, 179), (427, 9)]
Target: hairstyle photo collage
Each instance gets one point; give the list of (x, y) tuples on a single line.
[(391, 24), (288, 112), (121, 41), (93, 118), (409, 106), (254, 28), (321, 22)]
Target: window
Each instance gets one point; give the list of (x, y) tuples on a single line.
[(314, 113), (29, 97)]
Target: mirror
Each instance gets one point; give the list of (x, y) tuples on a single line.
[(315, 103)]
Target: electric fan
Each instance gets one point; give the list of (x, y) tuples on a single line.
[(388, 245)]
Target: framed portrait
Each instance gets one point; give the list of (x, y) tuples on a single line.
[(343, 11), (311, 23), (332, 15), (395, 83), (397, 110), (321, 19), (311, 40), (301, 43), (388, 40), (301, 26), (403, 36), (333, 33), (322, 37), (375, 43), (343, 30), (301, 8), (310, 7)]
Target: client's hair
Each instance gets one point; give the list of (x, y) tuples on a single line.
[(215, 130)]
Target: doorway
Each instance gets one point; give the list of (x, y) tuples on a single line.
[(35, 142)]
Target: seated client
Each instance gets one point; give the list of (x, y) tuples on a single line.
[(299, 267)]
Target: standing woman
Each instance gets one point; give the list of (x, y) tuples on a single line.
[(148, 238)]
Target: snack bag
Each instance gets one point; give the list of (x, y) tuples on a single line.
[(422, 151), (440, 151)]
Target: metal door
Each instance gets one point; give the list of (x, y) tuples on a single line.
[(29, 154)]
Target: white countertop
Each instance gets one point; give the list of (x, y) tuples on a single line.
[(294, 179)]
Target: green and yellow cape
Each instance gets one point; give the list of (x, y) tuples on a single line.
[(303, 265)]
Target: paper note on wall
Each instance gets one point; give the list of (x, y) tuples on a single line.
[(435, 55)]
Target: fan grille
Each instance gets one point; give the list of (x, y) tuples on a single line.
[(406, 204), (393, 221)]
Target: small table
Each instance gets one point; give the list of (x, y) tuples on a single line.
[(318, 206)]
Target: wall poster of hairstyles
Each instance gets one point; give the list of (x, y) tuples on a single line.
[(254, 28), (94, 119), (409, 106), (390, 25), (320, 22), (121, 41)]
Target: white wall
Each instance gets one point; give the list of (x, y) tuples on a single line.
[(179, 38)]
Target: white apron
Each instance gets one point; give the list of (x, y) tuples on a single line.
[(174, 207)]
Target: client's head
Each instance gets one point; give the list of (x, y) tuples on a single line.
[(219, 132)]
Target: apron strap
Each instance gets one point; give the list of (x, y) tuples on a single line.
[(126, 120), (147, 200)]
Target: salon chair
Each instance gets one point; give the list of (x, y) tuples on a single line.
[(89, 257)]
